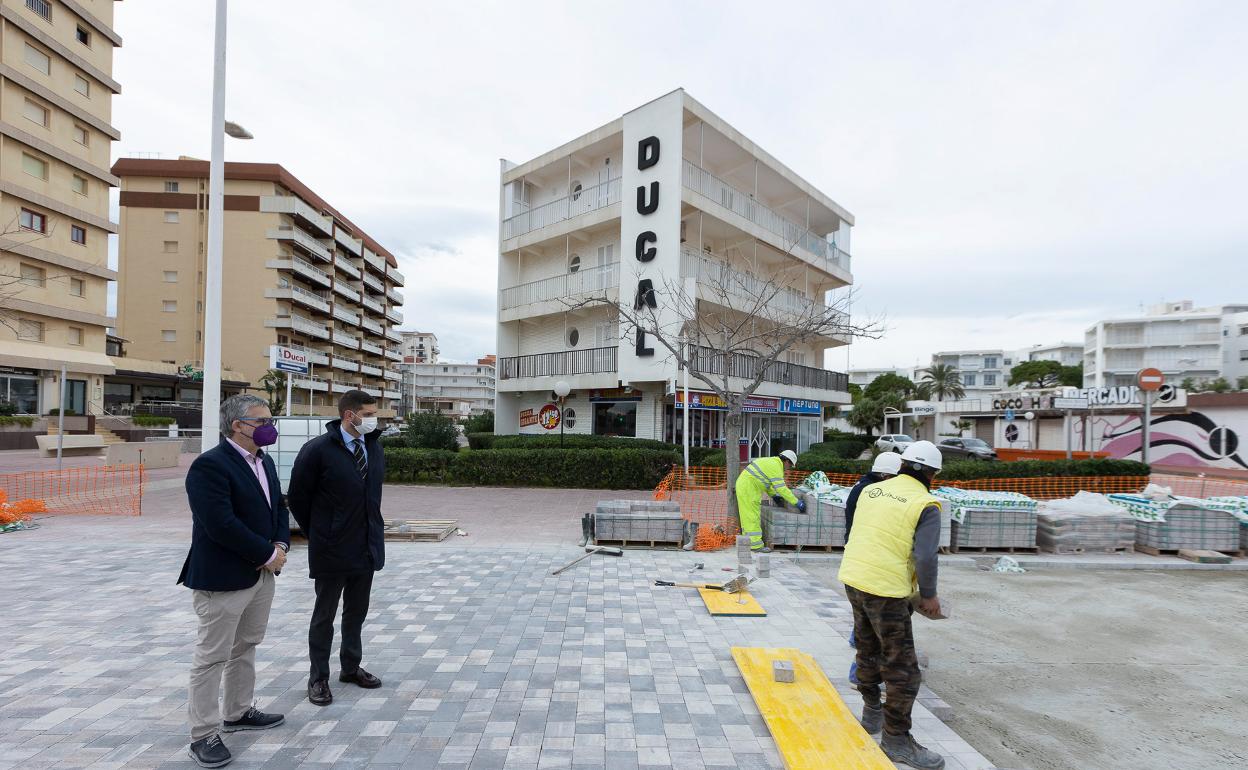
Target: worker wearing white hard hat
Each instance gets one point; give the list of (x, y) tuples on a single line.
[(886, 465), (764, 476), (891, 550)]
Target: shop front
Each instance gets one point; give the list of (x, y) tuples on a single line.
[(770, 425)]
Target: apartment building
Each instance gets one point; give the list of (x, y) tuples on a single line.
[(419, 347), (982, 371), (1181, 340), (460, 390), (864, 377), (1065, 353), (296, 273), (56, 92), (672, 194)]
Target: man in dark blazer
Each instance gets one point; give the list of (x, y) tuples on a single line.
[(239, 539), (335, 495)]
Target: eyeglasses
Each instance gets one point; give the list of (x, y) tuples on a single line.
[(257, 420)]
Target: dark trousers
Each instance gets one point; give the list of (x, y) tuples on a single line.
[(354, 590), (885, 642)]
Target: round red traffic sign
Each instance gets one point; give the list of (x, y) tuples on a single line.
[(1150, 379)]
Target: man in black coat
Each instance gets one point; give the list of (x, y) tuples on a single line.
[(335, 495), (239, 537)]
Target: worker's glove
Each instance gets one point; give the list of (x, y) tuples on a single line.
[(801, 506), (778, 500)]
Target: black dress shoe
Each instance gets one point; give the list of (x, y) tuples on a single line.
[(209, 752), (361, 678), (254, 719), (319, 694)]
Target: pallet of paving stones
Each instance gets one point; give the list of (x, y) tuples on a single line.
[(419, 530), (1012, 530), (1071, 533), (1189, 527), (822, 526), (649, 523)]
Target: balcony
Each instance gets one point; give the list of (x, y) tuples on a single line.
[(373, 327), (391, 374), (720, 279), (342, 314), (395, 276), (346, 364), (299, 296), (308, 382), (370, 390), (346, 340), (394, 336), (370, 369), (372, 305), (709, 361), (369, 347), (342, 387), (392, 354), (343, 266), (394, 297), (303, 268), (345, 290), (300, 324), (391, 394), (302, 241), (353, 245), (709, 186), (582, 202), (294, 206), (314, 356), (394, 315), (375, 261), (374, 284), (593, 280), (564, 362)]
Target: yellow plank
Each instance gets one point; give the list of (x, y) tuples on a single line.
[(720, 603), (812, 726)]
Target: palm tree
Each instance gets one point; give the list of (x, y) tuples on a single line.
[(274, 384), (941, 381)]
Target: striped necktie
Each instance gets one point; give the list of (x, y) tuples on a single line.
[(361, 459)]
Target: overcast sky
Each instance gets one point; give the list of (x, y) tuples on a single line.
[(1017, 171)]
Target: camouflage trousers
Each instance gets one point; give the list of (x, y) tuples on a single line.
[(885, 642)]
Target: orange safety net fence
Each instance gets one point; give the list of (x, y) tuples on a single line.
[(115, 490), (1201, 486), (702, 497)]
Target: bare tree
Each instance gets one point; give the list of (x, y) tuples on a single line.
[(734, 335), (11, 279)]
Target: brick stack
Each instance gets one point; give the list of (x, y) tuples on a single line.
[(1190, 526), (822, 525), (1075, 533), (995, 528), (638, 521)]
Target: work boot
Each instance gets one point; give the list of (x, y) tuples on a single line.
[(904, 749), (872, 719)]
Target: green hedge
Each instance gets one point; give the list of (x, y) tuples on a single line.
[(481, 440), (965, 470), (23, 420), (848, 448), (570, 468), (407, 465), (394, 442), (150, 421)]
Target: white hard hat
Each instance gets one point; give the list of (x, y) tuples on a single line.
[(789, 455), (887, 462), (923, 453)]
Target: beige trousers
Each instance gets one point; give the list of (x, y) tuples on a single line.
[(231, 624)]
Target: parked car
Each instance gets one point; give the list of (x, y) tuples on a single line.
[(966, 449), (893, 442), (391, 430)]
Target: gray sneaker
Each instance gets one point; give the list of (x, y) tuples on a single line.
[(872, 719), (904, 749)]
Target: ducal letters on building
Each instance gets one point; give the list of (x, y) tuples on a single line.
[(647, 241)]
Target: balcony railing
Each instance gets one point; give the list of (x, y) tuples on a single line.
[(372, 304), (342, 338), (41, 7), (301, 324), (741, 203), (391, 374), (342, 314), (393, 354), (345, 290), (391, 394), (721, 278), (353, 245), (346, 364), (395, 276), (374, 392), (393, 335), (341, 263), (373, 327), (370, 369), (374, 284), (374, 261), (302, 296), (584, 281), (394, 297), (303, 241), (290, 204), (564, 362), (308, 382), (302, 267), (587, 200), (394, 315), (709, 361)]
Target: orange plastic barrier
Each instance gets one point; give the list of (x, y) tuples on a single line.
[(18, 510), (1013, 455), (101, 490), (1201, 486), (703, 499)]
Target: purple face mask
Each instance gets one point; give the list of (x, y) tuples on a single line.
[(264, 435)]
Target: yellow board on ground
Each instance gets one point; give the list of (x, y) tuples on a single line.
[(811, 725), (720, 603)]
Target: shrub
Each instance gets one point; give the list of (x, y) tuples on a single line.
[(394, 442), (830, 463), (571, 468), (406, 465), (431, 431), (481, 440), (480, 423), (848, 448), (7, 408), (23, 420), (965, 470), (832, 434), (57, 413), (708, 457), (150, 421)]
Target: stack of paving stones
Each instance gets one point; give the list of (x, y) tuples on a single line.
[(639, 521), (1077, 533), (1190, 526), (822, 525), (998, 528)]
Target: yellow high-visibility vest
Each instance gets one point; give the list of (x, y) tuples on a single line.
[(879, 557), (768, 473)]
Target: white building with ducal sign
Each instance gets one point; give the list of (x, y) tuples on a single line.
[(667, 193)]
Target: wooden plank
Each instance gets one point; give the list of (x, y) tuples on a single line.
[(729, 605), (811, 725), (1204, 557)]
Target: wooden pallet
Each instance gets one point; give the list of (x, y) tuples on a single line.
[(1204, 557), (1076, 549), (417, 530), (1151, 551), (799, 547), (676, 544), (991, 549)]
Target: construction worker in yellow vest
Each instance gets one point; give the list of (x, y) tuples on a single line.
[(764, 476), (892, 549)]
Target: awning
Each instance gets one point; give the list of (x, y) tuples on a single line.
[(34, 355)]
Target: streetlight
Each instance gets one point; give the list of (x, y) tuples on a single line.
[(210, 419), (562, 389)]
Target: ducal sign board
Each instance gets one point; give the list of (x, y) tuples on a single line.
[(287, 360)]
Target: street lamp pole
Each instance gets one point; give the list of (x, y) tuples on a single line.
[(216, 221), (562, 389)]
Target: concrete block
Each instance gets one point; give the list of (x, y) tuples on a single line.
[(782, 670)]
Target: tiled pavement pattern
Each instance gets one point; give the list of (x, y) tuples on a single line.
[(488, 662)]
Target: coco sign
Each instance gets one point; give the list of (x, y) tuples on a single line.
[(647, 241)]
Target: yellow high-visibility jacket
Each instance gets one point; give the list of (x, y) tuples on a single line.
[(879, 557)]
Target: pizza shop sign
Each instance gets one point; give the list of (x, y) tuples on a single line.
[(548, 417)]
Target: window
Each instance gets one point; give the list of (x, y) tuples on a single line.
[(74, 335), (168, 335), (574, 263), (79, 185), (171, 276), (83, 36), (38, 59), (30, 330), (171, 186), (33, 276), (22, 392), (31, 220), (171, 247), (171, 217), (78, 234), (169, 306), (574, 336), (81, 135), (41, 7), (569, 418), (990, 379), (990, 362), (968, 379), (1243, 331), (77, 287), (1009, 362), (35, 112), (82, 85), (34, 166), (615, 419), (199, 307)]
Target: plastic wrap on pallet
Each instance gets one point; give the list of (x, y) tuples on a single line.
[(958, 501), (1191, 526)]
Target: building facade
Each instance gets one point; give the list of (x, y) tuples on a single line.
[(460, 390), (1065, 353), (864, 377), (1183, 341), (419, 347), (56, 92), (982, 371), (670, 194), (296, 273)]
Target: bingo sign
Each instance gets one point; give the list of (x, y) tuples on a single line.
[(286, 360), (548, 418)]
